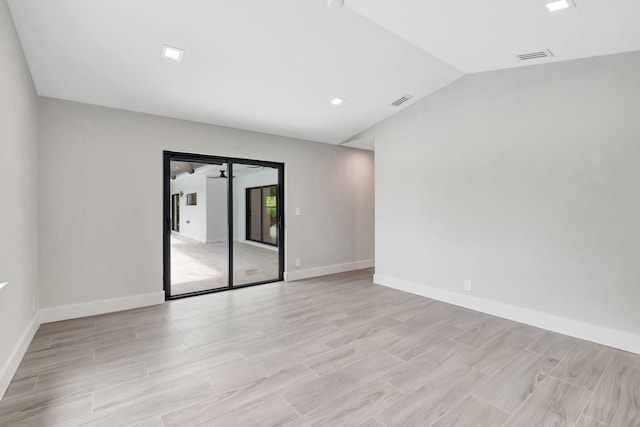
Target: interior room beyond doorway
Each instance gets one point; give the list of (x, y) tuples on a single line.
[(210, 200)]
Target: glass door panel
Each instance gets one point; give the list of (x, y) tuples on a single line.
[(198, 240), (255, 248)]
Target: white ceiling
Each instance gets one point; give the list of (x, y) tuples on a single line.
[(476, 35), (264, 65), (274, 65)]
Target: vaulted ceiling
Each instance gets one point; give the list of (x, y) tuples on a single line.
[(274, 65), (475, 36)]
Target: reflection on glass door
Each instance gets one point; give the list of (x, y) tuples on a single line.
[(255, 253), (198, 239), (223, 223), (262, 214)]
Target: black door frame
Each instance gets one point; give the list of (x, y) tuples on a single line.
[(169, 156)]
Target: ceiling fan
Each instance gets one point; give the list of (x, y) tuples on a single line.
[(222, 175)]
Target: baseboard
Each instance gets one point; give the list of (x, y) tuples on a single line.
[(260, 245), (11, 366), (578, 329), (195, 239), (73, 311), (290, 276)]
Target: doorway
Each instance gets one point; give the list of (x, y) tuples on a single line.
[(208, 239)]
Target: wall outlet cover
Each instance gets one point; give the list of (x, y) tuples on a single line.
[(467, 286)]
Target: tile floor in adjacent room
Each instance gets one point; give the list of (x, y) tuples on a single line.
[(334, 350), (198, 266)]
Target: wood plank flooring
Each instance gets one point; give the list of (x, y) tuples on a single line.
[(331, 351)]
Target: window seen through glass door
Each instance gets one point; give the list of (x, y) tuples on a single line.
[(262, 214)]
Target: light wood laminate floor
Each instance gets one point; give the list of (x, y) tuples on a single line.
[(331, 351)]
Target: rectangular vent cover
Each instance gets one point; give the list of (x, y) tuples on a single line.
[(402, 100), (535, 55)]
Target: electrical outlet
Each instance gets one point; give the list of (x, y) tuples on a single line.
[(467, 286), (298, 212), (297, 262)]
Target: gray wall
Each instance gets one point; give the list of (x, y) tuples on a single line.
[(18, 189), (525, 181), (101, 197)]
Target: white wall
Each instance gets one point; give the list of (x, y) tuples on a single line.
[(19, 202), (525, 181), (259, 179), (207, 219), (216, 209), (193, 218), (96, 247)]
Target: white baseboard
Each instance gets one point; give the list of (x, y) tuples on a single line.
[(260, 245), (11, 366), (194, 238), (290, 276), (73, 311), (598, 334)]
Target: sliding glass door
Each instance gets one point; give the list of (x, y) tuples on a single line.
[(255, 260), (223, 223)]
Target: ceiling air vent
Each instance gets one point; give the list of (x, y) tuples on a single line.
[(535, 55), (402, 100)]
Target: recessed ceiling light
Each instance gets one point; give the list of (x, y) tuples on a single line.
[(172, 53), (337, 101), (554, 6)]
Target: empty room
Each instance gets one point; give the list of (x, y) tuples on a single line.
[(357, 213)]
